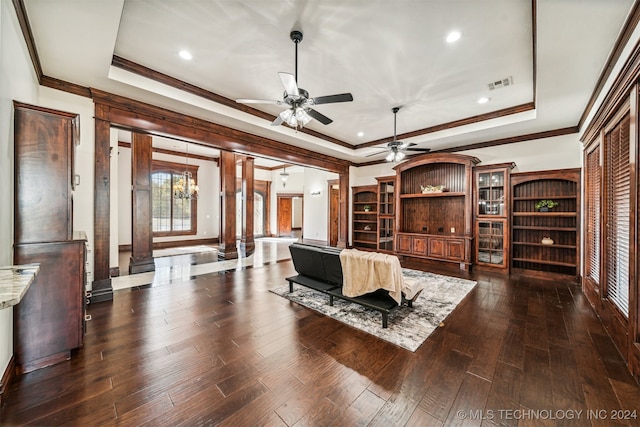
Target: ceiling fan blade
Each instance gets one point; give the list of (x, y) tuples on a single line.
[(289, 83), (259, 101), (423, 150), (342, 97), (376, 154), (405, 145), (318, 116), (277, 122)]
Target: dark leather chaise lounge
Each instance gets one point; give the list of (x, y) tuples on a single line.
[(320, 268)]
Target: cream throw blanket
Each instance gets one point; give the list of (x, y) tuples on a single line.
[(364, 272)]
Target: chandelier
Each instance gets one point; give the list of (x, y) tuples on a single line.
[(284, 176), (185, 187)]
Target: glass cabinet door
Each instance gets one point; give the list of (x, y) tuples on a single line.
[(491, 242), (386, 198), (385, 237), (491, 193)]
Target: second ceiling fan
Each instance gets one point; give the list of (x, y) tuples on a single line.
[(397, 148), (299, 112)]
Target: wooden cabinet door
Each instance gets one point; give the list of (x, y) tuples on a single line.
[(49, 320), (437, 247), (455, 249), (404, 244), (419, 246), (43, 146)]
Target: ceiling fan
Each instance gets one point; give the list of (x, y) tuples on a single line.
[(397, 148), (299, 112)]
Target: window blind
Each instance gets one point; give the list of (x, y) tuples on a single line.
[(617, 215), (592, 220)]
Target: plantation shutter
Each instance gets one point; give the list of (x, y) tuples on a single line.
[(617, 216), (592, 220)]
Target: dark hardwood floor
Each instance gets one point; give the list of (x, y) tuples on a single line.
[(222, 349)]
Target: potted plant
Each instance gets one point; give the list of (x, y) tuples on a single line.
[(545, 205), (367, 208)]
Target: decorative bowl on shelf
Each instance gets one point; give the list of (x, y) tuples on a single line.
[(547, 241), (432, 189)]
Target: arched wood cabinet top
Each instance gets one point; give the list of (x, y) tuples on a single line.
[(424, 159)]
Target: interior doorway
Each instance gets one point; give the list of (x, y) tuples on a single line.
[(289, 214), (334, 211)]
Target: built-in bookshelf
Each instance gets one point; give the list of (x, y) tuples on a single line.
[(364, 233), (545, 241)]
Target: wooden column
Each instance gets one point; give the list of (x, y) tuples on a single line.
[(343, 225), (141, 213), (101, 289), (247, 244), (227, 248)]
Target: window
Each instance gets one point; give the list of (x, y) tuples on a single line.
[(171, 216), (617, 226)]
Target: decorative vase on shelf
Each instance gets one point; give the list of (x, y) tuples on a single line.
[(547, 241)]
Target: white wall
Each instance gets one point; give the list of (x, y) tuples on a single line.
[(560, 152), (17, 82), (316, 208)]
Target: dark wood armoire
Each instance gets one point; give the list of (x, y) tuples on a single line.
[(49, 321)]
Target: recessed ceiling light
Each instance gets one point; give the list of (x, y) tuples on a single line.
[(360, 134), (184, 54), (483, 100), (453, 36)]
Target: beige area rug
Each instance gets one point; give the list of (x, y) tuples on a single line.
[(408, 327), (184, 250)]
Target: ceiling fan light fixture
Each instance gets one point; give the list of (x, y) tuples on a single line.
[(302, 116), (288, 117), (296, 117), (395, 156)]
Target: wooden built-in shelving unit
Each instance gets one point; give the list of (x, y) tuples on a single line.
[(364, 233), (435, 226), (529, 226)]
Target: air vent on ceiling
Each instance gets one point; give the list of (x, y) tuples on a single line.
[(498, 84)]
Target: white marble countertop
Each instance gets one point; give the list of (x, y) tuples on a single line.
[(14, 282)]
